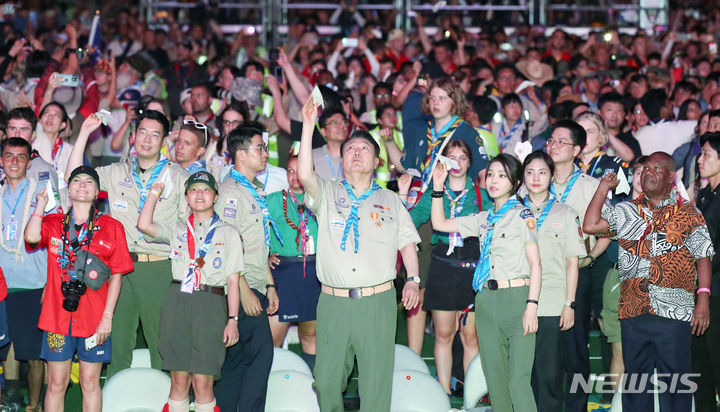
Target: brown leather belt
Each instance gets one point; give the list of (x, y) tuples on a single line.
[(143, 257), (217, 290), (493, 284), (357, 293)]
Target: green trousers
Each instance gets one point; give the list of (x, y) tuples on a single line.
[(141, 298), (347, 328), (507, 356)]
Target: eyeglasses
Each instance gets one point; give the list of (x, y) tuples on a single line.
[(557, 142), (382, 96), (335, 123), (199, 126), (261, 148), (233, 123)]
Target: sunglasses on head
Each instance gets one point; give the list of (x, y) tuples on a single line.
[(198, 126)]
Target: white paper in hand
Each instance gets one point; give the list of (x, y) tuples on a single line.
[(414, 173), (522, 149), (317, 97), (51, 204), (168, 186), (448, 162), (624, 186), (266, 137), (104, 116), (524, 85), (439, 5)]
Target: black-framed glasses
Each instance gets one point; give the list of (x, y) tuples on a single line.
[(557, 142), (199, 126)]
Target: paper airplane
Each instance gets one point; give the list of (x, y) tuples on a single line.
[(623, 187), (104, 116), (51, 197), (317, 97), (448, 162)]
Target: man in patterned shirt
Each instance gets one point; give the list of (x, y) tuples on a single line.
[(665, 252)]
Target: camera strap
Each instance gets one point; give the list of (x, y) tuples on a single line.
[(73, 241)]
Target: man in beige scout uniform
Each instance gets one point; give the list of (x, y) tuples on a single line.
[(360, 229), (128, 184), (243, 382), (574, 188)]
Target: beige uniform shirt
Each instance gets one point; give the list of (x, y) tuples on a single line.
[(579, 197), (221, 261), (559, 238), (384, 227), (510, 235), (237, 206), (124, 200)]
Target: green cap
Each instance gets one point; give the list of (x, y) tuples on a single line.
[(201, 177)]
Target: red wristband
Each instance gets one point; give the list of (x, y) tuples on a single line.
[(36, 214), (703, 290)]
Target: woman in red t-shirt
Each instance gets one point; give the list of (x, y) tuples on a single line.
[(75, 318)]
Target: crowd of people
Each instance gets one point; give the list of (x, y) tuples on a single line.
[(523, 186)]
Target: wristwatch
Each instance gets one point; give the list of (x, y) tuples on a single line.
[(415, 279), (570, 304), (235, 318)]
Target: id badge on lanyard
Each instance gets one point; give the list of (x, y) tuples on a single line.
[(11, 229)]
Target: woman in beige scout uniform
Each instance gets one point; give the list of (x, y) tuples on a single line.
[(507, 282), (561, 243)]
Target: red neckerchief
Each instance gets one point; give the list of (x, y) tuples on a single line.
[(663, 219), (56, 147)]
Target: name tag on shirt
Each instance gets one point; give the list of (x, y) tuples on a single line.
[(120, 206), (337, 223)]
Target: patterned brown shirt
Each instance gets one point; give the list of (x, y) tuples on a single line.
[(658, 249)]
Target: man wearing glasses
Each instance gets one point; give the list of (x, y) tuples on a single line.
[(334, 128), (243, 378), (573, 187), (190, 146), (128, 184)]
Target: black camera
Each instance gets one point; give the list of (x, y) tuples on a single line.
[(72, 289)]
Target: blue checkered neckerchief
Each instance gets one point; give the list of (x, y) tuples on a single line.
[(482, 270), (153, 177), (268, 221), (352, 220)]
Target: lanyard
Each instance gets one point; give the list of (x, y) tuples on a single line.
[(456, 206), (17, 201), (551, 199), (569, 187), (339, 172), (303, 234), (155, 173), (57, 147), (66, 259), (266, 172)]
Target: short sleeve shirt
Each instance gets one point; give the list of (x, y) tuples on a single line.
[(124, 199), (326, 166), (513, 231), (221, 261), (108, 244), (657, 271), (384, 227), (559, 238), (237, 207)]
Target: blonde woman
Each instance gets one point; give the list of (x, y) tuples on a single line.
[(595, 158)]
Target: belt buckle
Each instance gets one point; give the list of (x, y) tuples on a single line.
[(355, 293), (492, 284)]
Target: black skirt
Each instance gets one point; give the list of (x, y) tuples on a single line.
[(449, 284)]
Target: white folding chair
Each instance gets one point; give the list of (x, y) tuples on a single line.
[(407, 360), (475, 385), (290, 391), (414, 391), (136, 390), (284, 359)]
